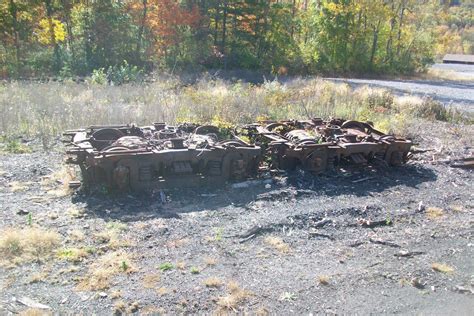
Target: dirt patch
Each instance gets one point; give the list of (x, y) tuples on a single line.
[(363, 240)]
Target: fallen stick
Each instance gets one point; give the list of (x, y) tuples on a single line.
[(385, 243), (362, 179)]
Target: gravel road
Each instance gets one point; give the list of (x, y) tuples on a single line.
[(456, 93)]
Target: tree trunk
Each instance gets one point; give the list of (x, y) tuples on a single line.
[(374, 43), (224, 29), (49, 14), (13, 11), (400, 25), (141, 29), (70, 37)]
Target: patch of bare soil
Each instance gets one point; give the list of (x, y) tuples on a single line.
[(359, 240)]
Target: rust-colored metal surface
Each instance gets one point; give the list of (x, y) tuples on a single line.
[(124, 157), (317, 145), (137, 158)]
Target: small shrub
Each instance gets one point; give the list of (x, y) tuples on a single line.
[(73, 254), (14, 146), (235, 297), (166, 266), (212, 282), (434, 212), (99, 76), (30, 244), (195, 270), (105, 268)]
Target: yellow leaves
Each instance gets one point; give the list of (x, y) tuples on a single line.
[(44, 31)]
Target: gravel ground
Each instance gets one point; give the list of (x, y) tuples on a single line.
[(456, 93), (355, 241)]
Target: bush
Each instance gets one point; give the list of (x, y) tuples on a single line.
[(124, 73)]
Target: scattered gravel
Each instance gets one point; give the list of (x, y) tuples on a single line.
[(357, 241)]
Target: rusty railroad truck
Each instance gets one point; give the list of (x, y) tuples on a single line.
[(128, 157)]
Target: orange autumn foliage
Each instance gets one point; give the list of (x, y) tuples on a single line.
[(164, 21)]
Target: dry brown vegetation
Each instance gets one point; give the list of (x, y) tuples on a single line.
[(26, 245), (16, 186), (150, 281), (212, 282), (323, 280), (235, 297), (277, 243), (104, 268), (45, 110), (434, 212), (441, 267), (35, 312)]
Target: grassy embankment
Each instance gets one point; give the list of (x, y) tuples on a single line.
[(43, 110)]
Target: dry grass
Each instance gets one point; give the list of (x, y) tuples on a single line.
[(434, 212), (262, 311), (323, 279), (181, 265), (76, 212), (38, 277), (457, 208), (162, 291), (150, 281), (57, 183), (277, 243), (115, 294), (74, 254), (444, 74), (26, 245), (210, 261), (213, 282), (236, 296), (76, 235), (441, 267), (35, 312), (177, 243), (44, 110), (102, 270), (120, 307), (16, 186)]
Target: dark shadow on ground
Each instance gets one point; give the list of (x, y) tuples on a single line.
[(355, 181)]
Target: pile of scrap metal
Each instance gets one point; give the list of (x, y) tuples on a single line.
[(127, 157), (318, 145)]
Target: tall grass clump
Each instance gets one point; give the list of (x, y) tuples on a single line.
[(44, 110)]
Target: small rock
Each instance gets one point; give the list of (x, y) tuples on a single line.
[(102, 294), (417, 283), (268, 186), (22, 212), (31, 303)]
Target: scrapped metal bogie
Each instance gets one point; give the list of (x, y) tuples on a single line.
[(124, 157), (318, 145)]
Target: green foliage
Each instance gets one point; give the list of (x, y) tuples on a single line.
[(195, 270), (124, 266), (117, 41), (124, 73), (29, 219), (98, 76), (166, 266), (14, 146)]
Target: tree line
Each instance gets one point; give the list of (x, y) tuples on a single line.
[(77, 37)]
